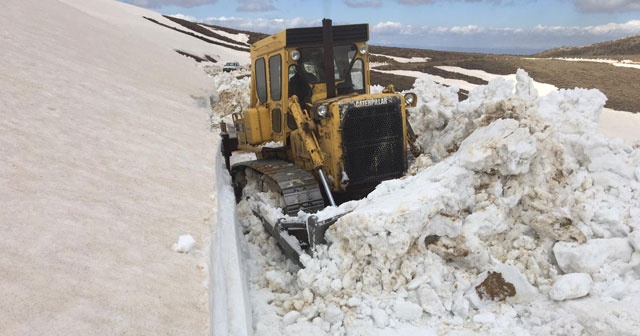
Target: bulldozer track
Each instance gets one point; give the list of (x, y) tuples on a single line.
[(298, 187)]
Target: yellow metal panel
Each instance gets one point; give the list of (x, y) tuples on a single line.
[(264, 116), (252, 126), (257, 125)]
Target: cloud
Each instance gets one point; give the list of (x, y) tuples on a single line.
[(389, 27), (428, 2), (162, 3), (609, 29), (268, 26), (472, 36), (363, 4), (416, 2), (596, 6), (255, 5)]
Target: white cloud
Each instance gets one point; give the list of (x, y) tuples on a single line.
[(388, 27), (363, 4), (185, 17), (472, 36), (607, 5), (628, 28), (427, 2), (162, 3), (255, 5), (416, 2), (470, 29), (267, 26)]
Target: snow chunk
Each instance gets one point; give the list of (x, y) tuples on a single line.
[(380, 317), (407, 311), (290, 317), (502, 145), (185, 244), (589, 257), (571, 286)]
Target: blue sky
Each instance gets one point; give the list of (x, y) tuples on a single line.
[(470, 25)]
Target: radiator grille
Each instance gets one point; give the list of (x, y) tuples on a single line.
[(372, 144)]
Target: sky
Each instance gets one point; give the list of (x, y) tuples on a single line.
[(517, 26)]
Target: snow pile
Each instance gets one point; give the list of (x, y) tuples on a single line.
[(107, 160), (231, 96), (519, 208)]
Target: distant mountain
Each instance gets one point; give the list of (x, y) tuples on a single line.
[(628, 46)]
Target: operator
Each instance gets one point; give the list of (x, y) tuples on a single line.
[(299, 85)]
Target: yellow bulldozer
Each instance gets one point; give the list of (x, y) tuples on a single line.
[(319, 135)]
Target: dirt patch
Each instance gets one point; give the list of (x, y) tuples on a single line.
[(400, 83), (453, 75), (495, 288)]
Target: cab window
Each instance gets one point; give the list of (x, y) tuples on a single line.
[(312, 62), (275, 76), (357, 76), (261, 80)]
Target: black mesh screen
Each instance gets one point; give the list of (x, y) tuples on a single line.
[(341, 34), (372, 144)]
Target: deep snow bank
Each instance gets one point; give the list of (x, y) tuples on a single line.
[(106, 161), (518, 206)]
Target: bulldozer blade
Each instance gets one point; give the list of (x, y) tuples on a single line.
[(287, 234)]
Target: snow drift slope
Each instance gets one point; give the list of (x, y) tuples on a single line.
[(521, 220), (107, 161)]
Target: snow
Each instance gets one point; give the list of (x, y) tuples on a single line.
[(107, 160), (542, 88), (457, 83), (517, 185), (571, 286), (521, 218), (239, 37), (405, 59), (184, 244), (589, 257), (618, 63)]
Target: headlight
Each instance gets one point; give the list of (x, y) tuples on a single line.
[(363, 49), (322, 111), (410, 99), (295, 55)]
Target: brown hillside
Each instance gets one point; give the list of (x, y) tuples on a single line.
[(628, 47)]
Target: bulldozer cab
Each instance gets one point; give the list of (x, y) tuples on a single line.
[(294, 63)]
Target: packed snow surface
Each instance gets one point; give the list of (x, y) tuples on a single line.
[(618, 63), (520, 218), (107, 158)]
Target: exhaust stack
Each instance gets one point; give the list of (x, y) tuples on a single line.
[(327, 40)]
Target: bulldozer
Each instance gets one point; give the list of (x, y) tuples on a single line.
[(319, 135)]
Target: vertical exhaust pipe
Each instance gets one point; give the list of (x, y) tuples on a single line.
[(327, 40)]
